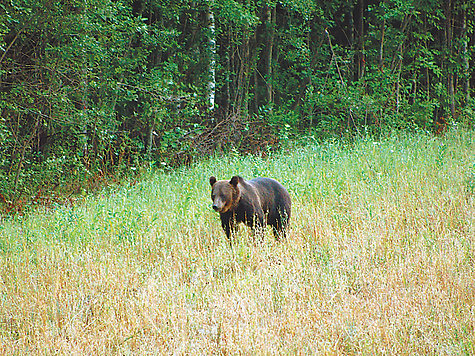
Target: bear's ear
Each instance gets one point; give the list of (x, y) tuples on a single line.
[(234, 181), (212, 180)]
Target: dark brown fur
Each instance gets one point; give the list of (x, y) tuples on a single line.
[(256, 202)]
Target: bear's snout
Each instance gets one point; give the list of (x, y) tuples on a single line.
[(219, 205)]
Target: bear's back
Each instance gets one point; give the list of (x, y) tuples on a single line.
[(272, 194)]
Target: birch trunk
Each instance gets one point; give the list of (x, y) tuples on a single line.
[(212, 58)]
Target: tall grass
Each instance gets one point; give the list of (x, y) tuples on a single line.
[(379, 260)]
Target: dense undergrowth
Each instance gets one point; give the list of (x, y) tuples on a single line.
[(90, 91), (379, 259)]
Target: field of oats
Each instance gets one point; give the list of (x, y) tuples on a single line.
[(380, 259)]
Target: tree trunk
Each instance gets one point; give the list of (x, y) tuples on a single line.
[(398, 86), (256, 91), (229, 67), (427, 74), (212, 58), (451, 91), (270, 20), (358, 29), (381, 45), (448, 47), (241, 94), (150, 142), (84, 88), (465, 56)]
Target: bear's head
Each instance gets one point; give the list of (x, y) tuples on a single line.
[(225, 194)]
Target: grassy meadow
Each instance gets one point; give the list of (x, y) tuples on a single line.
[(380, 259)]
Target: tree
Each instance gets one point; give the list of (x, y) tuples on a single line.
[(99, 86)]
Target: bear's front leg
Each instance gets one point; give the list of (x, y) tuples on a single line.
[(257, 224), (229, 226)]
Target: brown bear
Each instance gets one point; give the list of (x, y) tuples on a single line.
[(255, 202)]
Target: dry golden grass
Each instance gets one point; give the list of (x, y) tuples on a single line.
[(380, 260)]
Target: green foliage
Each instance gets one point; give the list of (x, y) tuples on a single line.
[(233, 13), (112, 84)]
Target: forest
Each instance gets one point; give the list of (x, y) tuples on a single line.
[(90, 89), (114, 114)]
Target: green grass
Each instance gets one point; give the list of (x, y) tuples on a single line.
[(379, 260)]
